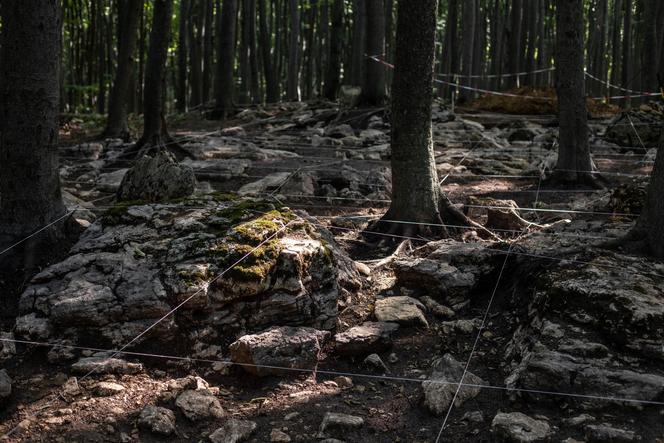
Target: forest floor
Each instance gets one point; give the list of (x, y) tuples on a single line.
[(335, 166)]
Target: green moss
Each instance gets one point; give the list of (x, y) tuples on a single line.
[(241, 210), (194, 278), (113, 216)]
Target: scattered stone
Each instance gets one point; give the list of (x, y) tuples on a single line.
[(107, 389), (441, 386), (199, 405), (403, 310), (519, 428), (156, 179), (157, 420), (7, 348), (278, 436), (344, 382), (233, 431), (339, 423), (473, 417), (436, 308), (71, 388), (365, 338), (604, 433), (105, 365), (375, 363), (5, 384), (284, 347), (362, 268)]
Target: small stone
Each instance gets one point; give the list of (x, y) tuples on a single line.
[(519, 428), (362, 268), (233, 431), (341, 423), (441, 387), (290, 416), (403, 310), (369, 337), (107, 389), (71, 388), (375, 363), (103, 365), (604, 432), (344, 382), (473, 417), (198, 405), (392, 358), (277, 436), (158, 420), (437, 309)]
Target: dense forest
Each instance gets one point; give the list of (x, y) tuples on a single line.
[(331, 220)]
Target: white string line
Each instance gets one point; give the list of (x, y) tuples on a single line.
[(477, 339), (172, 311), (620, 88), (334, 373), (637, 133), (62, 217)]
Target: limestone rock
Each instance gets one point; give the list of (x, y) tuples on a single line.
[(5, 384), (234, 431), (285, 347), (157, 420), (439, 389), (337, 424), (199, 405), (105, 365), (157, 178), (604, 433), (278, 436), (107, 389), (516, 427), (365, 338), (403, 310)]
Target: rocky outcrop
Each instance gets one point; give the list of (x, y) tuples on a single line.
[(157, 179), (137, 263), (277, 350), (594, 330)]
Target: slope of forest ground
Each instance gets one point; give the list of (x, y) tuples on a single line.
[(570, 349)]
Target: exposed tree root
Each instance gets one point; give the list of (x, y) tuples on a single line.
[(568, 179)]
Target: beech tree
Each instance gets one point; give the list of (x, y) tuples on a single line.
[(574, 163), (30, 195)]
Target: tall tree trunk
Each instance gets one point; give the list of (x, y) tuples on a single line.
[(292, 89), (244, 95), (574, 163), (627, 48), (373, 90), (415, 189), (649, 55), (311, 51), (30, 195), (514, 57), (208, 50), (181, 88), (254, 87), (468, 25), (153, 92), (128, 18), (358, 43), (333, 74), (226, 56), (196, 18), (615, 42), (271, 82)]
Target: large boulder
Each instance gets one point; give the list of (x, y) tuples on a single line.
[(279, 349), (137, 263), (156, 179)]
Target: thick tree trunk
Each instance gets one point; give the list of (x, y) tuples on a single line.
[(153, 112), (373, 90), (116, 125), (293, 83), (574, 163), (415, 189), (358, 43), (226, 56), (271, 82), (29, 95), (649, 228), (333, 74), (649, 54)]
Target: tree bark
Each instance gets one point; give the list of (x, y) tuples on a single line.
[(129, 15), (574, 163), (181, 88), (226, 57), (373, 91), (208, 50), (153, 112), (30, 195), (293, 83), (627, 48), (468, 25), (649, 54), (196, 18), (514, 57), (649, 228), (415, 190), (358, 43), (333, 74), (271, 82)]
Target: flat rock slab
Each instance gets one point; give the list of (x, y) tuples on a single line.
[(157, 420), (341, 424), (277, 349), (441, 386), (519, 428), (403, 310), (234, 431), (199, 405), (366, 338), (105, 365)]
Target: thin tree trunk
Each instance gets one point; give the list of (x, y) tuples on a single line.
[(358, 43), (253, 55), (208, 50), (271, 82), (292, 89), (373, 90), (468, 25), (649, 61), (627, 48), (196, 18), (128, 18), (333, 74), (30, 195), (181, 89), (514, 57), (615, 42), (574, 163)]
